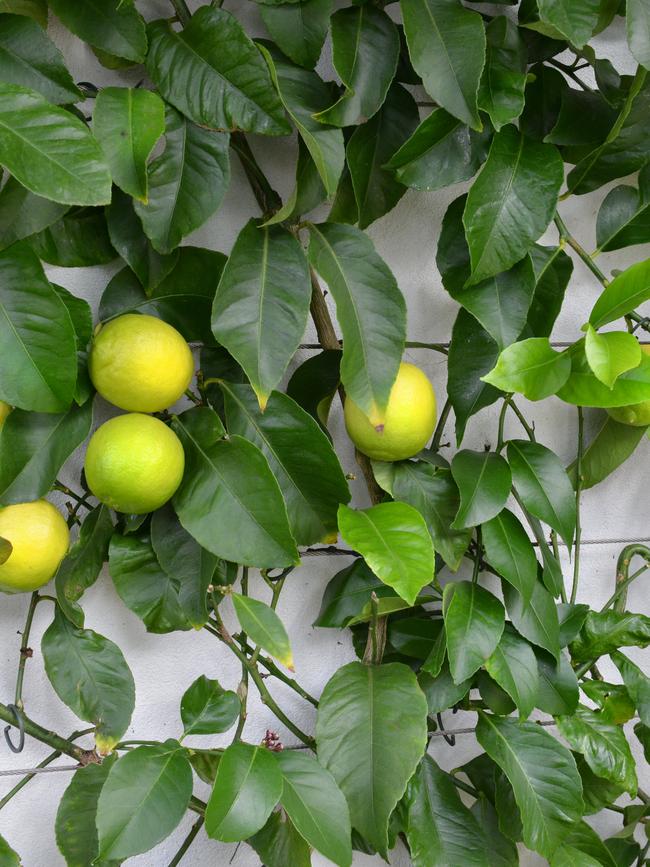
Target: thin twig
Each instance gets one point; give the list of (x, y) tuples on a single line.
[(187, 842), (578, 533)]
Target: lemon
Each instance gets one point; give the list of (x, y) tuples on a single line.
[(5, 409), (636, 414), (39, 537), (140, 363), (409, 423), (134, 463)]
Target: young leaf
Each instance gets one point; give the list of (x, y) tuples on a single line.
[(128, 122), (76, 832), (446, 44), (474, 621), (576, 20), (531, 367), (509, 550), (118, 29), (611, 354), (298, 29), (212, 73), (511, 202), (484, 482), (247, 788), (143, 800), (360, 710), (501, 93), (536, 620), (624, 293), (514, 667), (264, 628), (394, 541), (316, 806), (370, 309), (262, 303), (583, 389), (207, 708)]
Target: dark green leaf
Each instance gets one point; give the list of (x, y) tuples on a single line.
[(474, 621), (624, 216), (583, 839), (298, 29), (23, 214), (536, 620), (553, 269), (309, 191), (642, 731), (576, 20), (596, 791), (76, 832), (361, 710), (79, 239), (531, 367), (571, 618), (509, 550), (348, 593), (441, 692), (514, 667), (612, 446), (36, 9), (637, 684), (416, 637), (501, 93), (496, 699), (484, 481), (279, 843), (313, 384), (264, 627), (606, 631), (544, 92), (558, 685), (207, 708), (502, 852), (624, 293), (114, 27)]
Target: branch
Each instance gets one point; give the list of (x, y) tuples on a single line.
[(63, 745)]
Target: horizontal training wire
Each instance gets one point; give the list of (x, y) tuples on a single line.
[(24, 772)]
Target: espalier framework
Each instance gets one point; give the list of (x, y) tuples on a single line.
[(520, 106)]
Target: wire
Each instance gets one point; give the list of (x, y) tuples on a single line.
[(24, 772)]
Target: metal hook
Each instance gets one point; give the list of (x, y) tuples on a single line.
[(283, 574), (20, 725), (450, 739)]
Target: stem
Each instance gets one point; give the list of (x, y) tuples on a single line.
[(243, 683), (579, 481), (182, 12), (530, 430), (622, 587), (24, 652), (81, 499), (436, 347), (502, 420), (47, 737), (276, 672), (266, 197), (566, 235), (187, 842), (619, 598), (440, 428), (464, 787), (477, 560), (570, 71)]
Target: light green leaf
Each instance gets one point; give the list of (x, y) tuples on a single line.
[(531, 367), (637, 18), (484, 481), (583, 389), (514, 667), (576, 20), (474, 622), (610, 354), (509, 550), (114, 26), (207, 708), (624, 293), (9, 857), (264, 628)]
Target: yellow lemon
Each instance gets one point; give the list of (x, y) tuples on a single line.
[(140, 363), (5, 409), (410, 419), (134, 463), (636, 414), (39, 537)]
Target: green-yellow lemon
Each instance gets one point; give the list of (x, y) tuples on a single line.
[(636, 414), (140, 363), (134, 463), (39, 537), (5, 409), (409, 422)]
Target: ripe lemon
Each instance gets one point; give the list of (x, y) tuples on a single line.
[(636, 414), (40, 538), (410, 419), (140, 363), (134, 463), (5, 409)]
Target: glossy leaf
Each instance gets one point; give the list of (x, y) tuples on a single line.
[(446, 43), (536, 620), (76, 832), (360, 710), (514, 667), (143, 799), (313, 384), (574, 19), (23, 214), (607, 631), (79, 239), (370, 309), (637, 684), (531, 367), (264, 627), (348, 593), (247, 787), (262, 303), (509, 550), (128, 122), (611, 447), (90, 675), (624, 216), (610, 354), (207, 708), (583, 389), (308, 191), (484, 481), (298, 29), (624, 293), (394, 541), (116, 27), (474, 621), (501, 93), (557, 689)]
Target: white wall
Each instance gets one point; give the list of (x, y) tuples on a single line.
[(163, 666)]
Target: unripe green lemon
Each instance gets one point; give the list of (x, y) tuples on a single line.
[(5, 409), (140, 363), (409, 423), (134, 463), (39, 537), (636, 414)]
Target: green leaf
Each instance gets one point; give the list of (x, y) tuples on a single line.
[(303, 94), (279, 843), (502, 851), (553, 270), (264, 628), (394, 540), (79, 239), (34, 447), (440, 829), (348, 593), (606, 631), (543, 485), (128, 122), (186, 182), (247, 788), (611, 447), (636, 683), (36, 9), (212, 73), (603, 745), (365, 48), (371, 144), (501, 93), (441, 692), (207, 708), (81, 566), (308, 191), (23, 214), (433, 492), (623, 294), (5, 550), (511, 202), (596, 791), (642, 731), (624, 216), (49, 150), (144, 798), (228, 499), (442, 151), (29, 58), (298, 29), (370, 309), (484, 481), (261, 307), (417, 637), (8, 856), (576, 20), (637, 18), (474, 621), (584, 840), (90, 675), (514, 667), (76, 832), (531, 367), (558, 690), (38, 368), (509, 550), (360, 710), (446, 43), (316, 806), (300, 456), (583, 389), (115, 27), (536, 620), (543, 775), (571, 618), (611, 354)]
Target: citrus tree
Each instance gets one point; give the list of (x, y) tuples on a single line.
[(181, 504)]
